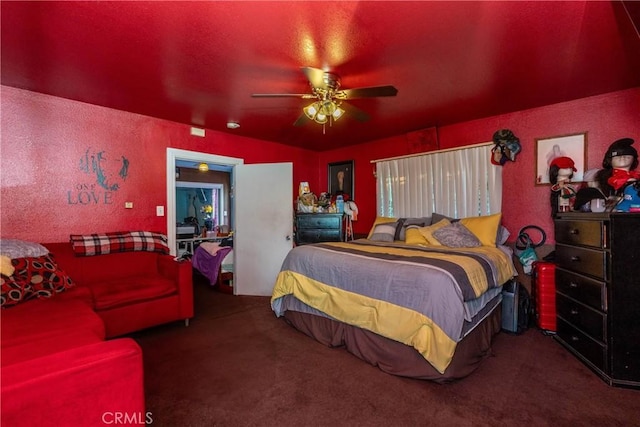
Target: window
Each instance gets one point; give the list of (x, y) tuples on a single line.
[(456, 183)]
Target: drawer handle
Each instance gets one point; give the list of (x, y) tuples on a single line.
[(573, 285), (574, 231), (573, 311), (574, 338), (575, 258)]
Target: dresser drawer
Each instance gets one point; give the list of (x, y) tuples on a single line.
[(584, 233), (319, 221), (591, 321), (594, 351), (582, 260), (318, 235), (586, 290)]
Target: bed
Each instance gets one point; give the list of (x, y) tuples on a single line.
[(427, 312)]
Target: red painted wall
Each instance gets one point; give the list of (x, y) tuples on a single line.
[(605, 118), (50, 190), (45, 193)]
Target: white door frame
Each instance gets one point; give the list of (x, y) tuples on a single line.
[(174, 154)]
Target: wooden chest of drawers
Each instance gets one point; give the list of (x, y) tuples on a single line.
[(598, 292), (321, 227)]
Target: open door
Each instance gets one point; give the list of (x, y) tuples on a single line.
[(263, 231)]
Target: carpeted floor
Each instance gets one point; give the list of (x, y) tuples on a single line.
[(237, 365)]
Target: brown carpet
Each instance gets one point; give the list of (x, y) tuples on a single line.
[(237, 365)]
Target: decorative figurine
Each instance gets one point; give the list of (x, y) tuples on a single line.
[(563, 193), (618, 167), (619, 177)]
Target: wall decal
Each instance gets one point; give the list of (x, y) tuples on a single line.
[(109, 173), (104, 169)]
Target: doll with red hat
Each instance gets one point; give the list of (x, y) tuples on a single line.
[(563, 194)]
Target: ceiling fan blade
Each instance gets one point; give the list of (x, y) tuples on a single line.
[(354, 112), (315, 77), (283, 95), (301, 120), (369, 92)]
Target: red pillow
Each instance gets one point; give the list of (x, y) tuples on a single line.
[(34, 277), (13, 290)]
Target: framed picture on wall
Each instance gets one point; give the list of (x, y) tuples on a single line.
[(572, 146), (341, 178)]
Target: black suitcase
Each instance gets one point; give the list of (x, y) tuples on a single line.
[(516, 308)]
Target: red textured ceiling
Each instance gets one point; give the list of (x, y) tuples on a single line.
[(199, 62)]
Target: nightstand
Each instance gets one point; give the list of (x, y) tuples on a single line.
[(319, 227)]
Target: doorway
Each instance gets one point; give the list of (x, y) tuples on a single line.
[(175, 158)]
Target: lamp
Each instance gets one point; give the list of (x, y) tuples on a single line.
[(203, 167), (323, 111)]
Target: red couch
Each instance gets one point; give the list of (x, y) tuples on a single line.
[(131, 291), (57, 368)]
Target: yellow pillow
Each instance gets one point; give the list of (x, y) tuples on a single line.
[(485, 227), (380, 220), (427, 232), (412, 236)]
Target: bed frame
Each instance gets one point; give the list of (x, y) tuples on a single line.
[(396, 358)]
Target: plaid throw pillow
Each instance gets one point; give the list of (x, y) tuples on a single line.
[(121, 241)]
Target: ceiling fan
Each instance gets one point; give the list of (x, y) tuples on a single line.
[(329, 100)]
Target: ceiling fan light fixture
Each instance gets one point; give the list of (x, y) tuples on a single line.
[(339, 112), (311, 110), (203, 167)]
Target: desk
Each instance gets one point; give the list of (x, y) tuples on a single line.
[(188, 245)]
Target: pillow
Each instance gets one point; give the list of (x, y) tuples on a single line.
[(34, 277), (427, 232), (413, 236), (404, 223), (380, 220), (383, 232), (21, 249), (503, 235), (121, 241), (484, 227), (13, 290), (456, 235), (436, 217)]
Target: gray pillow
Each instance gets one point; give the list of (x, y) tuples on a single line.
[(384, 232), (403, 223), (456, 235), (14, 248), (503, 235), (436, 218)]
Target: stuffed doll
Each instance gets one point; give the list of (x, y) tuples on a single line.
[(619, 177), (618, 167), (6, 267), (563, 193)]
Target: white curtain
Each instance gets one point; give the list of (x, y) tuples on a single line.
[(457, 183)]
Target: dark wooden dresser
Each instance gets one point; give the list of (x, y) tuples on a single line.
[(318, 227), (598, 292)]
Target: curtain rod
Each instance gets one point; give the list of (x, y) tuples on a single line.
[(481, 144)]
